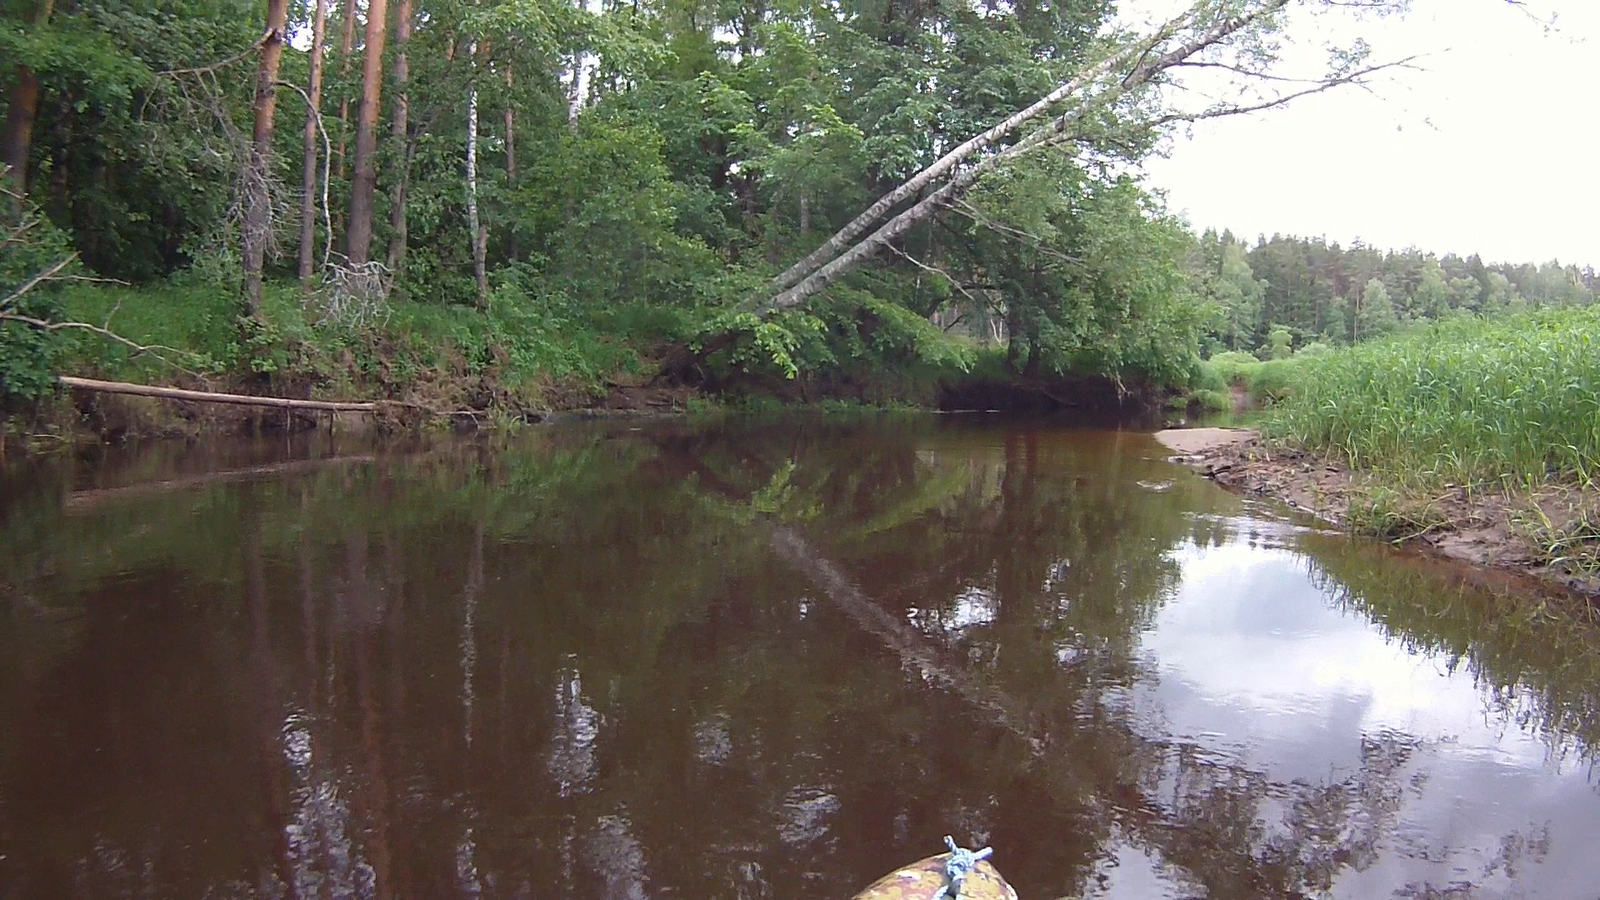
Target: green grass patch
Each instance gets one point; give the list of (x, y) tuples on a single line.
[(522, 345), (1512, 401)]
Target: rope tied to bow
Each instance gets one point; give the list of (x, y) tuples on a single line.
[(958, 867)]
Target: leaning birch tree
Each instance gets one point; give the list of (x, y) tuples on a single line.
[(1132, 88)]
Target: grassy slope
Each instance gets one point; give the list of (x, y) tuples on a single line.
[(1500, 416), (427, 352)]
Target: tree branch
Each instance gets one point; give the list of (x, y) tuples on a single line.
[(936, 271), (36, 280), (138, 348), (327, 159), (221, 64)]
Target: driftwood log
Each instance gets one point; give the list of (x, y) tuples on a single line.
[(145, 390)]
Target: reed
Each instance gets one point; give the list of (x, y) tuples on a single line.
[(1512, 401)]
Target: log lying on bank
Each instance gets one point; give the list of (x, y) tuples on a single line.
[(145, 390)]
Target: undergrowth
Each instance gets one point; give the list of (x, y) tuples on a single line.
[(521, 347)]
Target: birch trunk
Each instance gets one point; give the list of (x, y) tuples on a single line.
[(257, 229), (402, 72), (364, 183), (308, 181), (842, 257), (474, 224)]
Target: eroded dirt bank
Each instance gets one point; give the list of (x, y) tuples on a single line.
[(1542, 534)]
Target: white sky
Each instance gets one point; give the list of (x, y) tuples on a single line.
[(1494, 148)]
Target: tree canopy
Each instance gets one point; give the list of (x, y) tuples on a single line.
[(669, 172)]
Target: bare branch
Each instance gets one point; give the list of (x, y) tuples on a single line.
[(327, 159), (221, 64), (954, 282), (138, 348), (17, 233), (36, 280), (972, 212)]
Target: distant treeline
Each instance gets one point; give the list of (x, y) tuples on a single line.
[(1285, 292)]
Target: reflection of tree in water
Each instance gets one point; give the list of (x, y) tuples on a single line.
[(1536, 661), (621, 668)]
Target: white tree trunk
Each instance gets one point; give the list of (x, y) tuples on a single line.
[(839, 255), (858, 226), (474, 224)]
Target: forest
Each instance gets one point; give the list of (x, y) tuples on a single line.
[(517, 203)]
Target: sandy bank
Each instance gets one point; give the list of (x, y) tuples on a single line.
[(1483, 528)]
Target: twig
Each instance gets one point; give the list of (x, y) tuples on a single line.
[(34, 282), (937, 271), (327, 159), (20, 230), (139, 348), (223, 64), (976, 215)]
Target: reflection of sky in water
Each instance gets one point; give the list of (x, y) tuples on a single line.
[(1258, 665)]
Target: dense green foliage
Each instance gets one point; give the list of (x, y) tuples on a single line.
[(641, 173), (1303, 291)]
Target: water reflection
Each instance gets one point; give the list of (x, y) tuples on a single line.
[(758, 660)]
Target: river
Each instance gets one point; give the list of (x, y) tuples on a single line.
[(764, 658)]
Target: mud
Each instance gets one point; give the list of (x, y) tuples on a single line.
[(1484, 529)]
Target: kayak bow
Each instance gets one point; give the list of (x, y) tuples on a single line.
[(971, 875)]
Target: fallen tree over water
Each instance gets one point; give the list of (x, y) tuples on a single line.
[(1114, 109)]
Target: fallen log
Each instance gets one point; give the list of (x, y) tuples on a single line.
[(145, 390)]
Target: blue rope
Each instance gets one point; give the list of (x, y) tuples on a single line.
[(958, 867)]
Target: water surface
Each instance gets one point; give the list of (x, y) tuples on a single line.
[(758, 660)]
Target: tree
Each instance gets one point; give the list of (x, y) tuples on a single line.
[(1240, 293), (257, 229), (1432, 297), (309, 180), (475, 229), (1279, 344), (1234, 32), (22, 107), (1375, 316), (402, 73), (364, 181)]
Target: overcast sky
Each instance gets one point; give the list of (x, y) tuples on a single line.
[(1493, 148)]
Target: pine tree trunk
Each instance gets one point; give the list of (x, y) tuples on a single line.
[(22, 108), (308, 200), (257, 201), (364, 183), (347, 43), (402, 72), (474, 224)]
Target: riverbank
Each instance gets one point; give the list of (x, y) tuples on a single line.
[(1529, 532)]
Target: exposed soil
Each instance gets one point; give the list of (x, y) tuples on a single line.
[(1488, 529)]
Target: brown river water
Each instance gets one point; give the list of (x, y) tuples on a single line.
[(758, 659)]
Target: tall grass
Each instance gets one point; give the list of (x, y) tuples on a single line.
[(1513, 400)]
